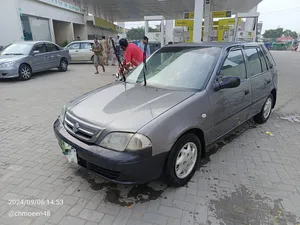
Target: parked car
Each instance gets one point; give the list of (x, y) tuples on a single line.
[(22, 59), (194, 94), (81, 51)]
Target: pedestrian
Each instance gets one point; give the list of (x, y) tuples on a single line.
[(143, 44), (105, 50), (98, 51), (78, 38), (112, 54), (118, 45)]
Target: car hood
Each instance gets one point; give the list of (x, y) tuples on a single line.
[(125, 107), (9, 58)]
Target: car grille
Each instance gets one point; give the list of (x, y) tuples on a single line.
[(81, 130), (109, 174)]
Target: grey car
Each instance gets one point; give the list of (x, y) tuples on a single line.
[(22, 59), (164, 117)]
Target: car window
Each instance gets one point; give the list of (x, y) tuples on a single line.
[(253, 61), (86, 45), (41, 48), (51, 47), (234, 65), (262, 60), (268, 56), (177, 67), (74, 46)]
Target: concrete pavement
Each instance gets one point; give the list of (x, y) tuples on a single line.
[(250, 178)]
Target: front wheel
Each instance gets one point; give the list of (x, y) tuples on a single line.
[(63, 65), (25, 72), (183, 160), (265, 112)]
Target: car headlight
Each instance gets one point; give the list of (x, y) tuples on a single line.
[(120, 141), (3, 65), (62, 114)]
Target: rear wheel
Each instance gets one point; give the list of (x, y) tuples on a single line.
[(92, 59), (265, 112), (25, 72), (183, 160), (63, 65)]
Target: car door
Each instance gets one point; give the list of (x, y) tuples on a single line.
[(54, 54), (74, 51), (40, 58), (85, 52), (230, 107), (260, 78)]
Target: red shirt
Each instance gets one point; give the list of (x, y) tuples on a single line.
[(133, 54)]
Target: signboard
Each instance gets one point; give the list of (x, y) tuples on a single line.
[(99, 22), (188, 15), (63, 5), (221, 14), (184, 23)]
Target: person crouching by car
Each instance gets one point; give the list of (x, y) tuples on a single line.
[(98, 57), (133, 55)]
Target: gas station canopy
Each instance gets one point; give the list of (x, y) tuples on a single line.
[(135, 10)]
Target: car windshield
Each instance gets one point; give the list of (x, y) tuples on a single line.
[(17, 49), (177, 67)]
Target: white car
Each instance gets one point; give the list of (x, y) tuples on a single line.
[(81, 50)]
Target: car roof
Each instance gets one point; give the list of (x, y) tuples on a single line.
[(82, 41), (32, 42), (215, 44)]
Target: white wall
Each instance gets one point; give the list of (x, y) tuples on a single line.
[(63, 32), (10, 23), (80, 31)]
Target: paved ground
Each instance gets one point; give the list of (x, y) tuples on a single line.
[(253, 179)]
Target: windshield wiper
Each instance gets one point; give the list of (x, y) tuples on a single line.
[(144, 62), (118, 58)]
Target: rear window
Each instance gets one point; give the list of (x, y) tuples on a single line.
[(270, 61)]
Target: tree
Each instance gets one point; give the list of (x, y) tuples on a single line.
[(136, 33), (290, 33), (273, 34), (279, 32)]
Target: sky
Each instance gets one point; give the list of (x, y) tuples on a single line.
[(273, 14)]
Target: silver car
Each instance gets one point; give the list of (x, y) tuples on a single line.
[(22, 59), (81, 51), (164, 117)]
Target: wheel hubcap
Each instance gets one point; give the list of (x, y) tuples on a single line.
[(186, 160), (25, 71), (267, 108), (64, 65)]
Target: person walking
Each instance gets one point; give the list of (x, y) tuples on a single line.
[(118, 45), (143, 44), (105, 50), (98, 57), (112, 54)]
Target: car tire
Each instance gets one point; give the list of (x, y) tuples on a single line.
[(63, 65), (188, 150), (265, 112), (92, 59), (25, 72)]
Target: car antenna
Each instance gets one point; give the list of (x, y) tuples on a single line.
[(118, 58), (144, 62)]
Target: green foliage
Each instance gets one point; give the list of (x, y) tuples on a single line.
[(277, 33), (136, 33)]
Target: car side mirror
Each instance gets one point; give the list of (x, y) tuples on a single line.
[(227, 82), (35, 52)]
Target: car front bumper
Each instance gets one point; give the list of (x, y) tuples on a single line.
[(8, 72), (119, 167)]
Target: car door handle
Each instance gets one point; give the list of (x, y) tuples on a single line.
[(76, 51), (268, 81), (247, 92)]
